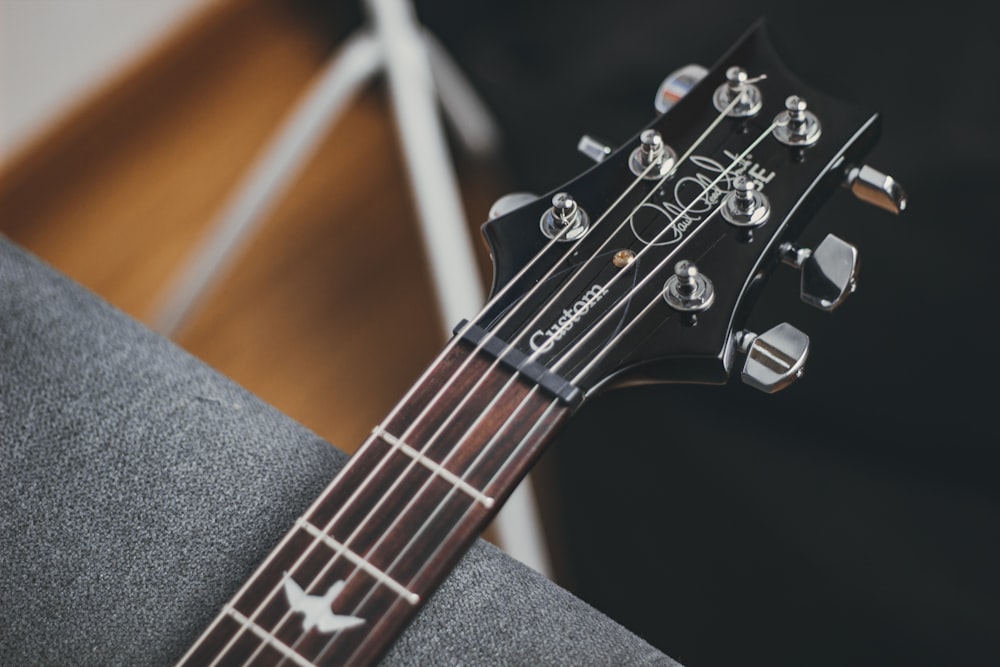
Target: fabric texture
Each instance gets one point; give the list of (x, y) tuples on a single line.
[(139, 488)]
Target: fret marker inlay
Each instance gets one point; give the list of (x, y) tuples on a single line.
[(435, 468), (315, 609)]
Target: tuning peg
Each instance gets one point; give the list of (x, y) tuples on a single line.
[(872, 186), (509, 202), (593, 148), (775, 358), (829, 273), (677, 84)]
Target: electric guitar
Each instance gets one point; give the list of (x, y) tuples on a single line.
[(641, 269)]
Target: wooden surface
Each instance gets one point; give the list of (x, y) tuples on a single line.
[(330, 314)]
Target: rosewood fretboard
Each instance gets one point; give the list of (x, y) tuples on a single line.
[(392, 524)]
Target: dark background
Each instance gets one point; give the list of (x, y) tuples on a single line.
[(853, 518)]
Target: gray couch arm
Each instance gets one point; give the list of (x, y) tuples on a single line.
[(139, 488)]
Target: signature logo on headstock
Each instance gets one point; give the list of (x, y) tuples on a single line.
[(696, 197)]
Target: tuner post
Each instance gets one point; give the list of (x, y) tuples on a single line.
[(738, 85), (564, 220), (688, 290), (796, 125), (746, 205), (652, 159)]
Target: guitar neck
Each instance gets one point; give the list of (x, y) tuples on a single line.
[(641, 269), (358, 564)]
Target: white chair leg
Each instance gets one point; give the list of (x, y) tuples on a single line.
[(352, 66)]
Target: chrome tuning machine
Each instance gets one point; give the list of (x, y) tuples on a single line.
[(510, 202), (678, 84), (738, 97), (872, 186), (775, 358), (565, 220), (829, 272)]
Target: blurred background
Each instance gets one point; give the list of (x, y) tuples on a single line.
[(851, 519)]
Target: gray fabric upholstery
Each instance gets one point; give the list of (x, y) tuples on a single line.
[(139, 488)]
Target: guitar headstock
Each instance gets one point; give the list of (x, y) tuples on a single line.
[(644, 267)]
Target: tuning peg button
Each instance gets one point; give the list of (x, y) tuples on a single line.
[(678, 84), (874, 187), (775, 358), (510, 202), (829, 273), (593, 148)]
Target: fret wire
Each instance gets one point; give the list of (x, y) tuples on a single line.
[(462, 521), (358, 561), (320, 499), (339, 549), (449, 347), (468, 431), (268, 638), (285, 540), (516, 338), (371, 475), (435, 468), (385, 458), (453, 344), (260, 607)]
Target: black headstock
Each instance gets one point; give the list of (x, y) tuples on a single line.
[(644, 267)]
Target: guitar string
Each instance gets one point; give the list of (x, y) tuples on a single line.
[(485, 340), (433, 438), (612, 207), (392, 414), (448, 348), (446, 499), (541, 420), (373, 548), (592, 331), (739, 159), (385, 458)]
